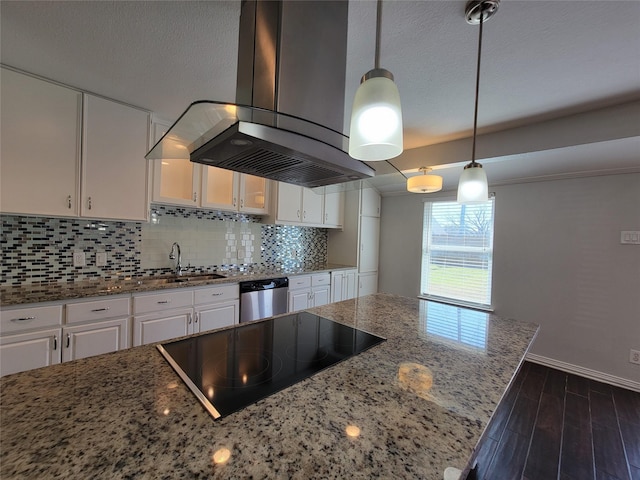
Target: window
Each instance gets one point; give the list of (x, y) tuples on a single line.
[(457, 252)]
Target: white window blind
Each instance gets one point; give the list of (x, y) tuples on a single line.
[(457, 252)]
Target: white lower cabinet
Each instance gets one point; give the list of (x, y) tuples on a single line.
[(307, 291), (343, 285), (27, 351), (165, 315), (81, 341), (367, 284), (160, 326)]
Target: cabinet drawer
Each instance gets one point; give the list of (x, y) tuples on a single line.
[(18, 319), (302, 281), (215, 294), (97, 309), (320, 279), (162, 301)]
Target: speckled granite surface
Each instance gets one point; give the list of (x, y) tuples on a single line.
[(420, 401), (64, 291)]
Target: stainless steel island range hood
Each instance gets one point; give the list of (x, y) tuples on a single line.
[(288, 117)]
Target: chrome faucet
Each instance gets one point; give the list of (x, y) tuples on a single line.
[(172, 256)]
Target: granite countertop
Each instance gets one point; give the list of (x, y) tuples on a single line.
[(22, 295), (420, 401)]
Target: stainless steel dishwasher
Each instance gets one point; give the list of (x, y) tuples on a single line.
[(263, 298)]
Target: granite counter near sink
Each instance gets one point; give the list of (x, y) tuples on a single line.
[(420, 402), (36, 293)]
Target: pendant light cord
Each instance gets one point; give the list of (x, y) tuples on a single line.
[(475, 114), (376, 60)]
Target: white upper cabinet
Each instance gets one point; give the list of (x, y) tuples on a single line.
[(40, 146), (226, 190), (114, 174), (370, 206), (175, 180), (42, 157), (297, 205), (333, 210)]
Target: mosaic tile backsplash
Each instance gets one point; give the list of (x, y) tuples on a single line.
[(40, 250)]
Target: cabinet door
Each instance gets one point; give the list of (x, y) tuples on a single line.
[(312, 204), (253, 194), (321, 296), (40, 146), (369, 244), (349, 288), (162, 326), (337, 286), (217, 316), (114, 173), (367, 284), (333, 209), (298, 300), (289, 203), (81, 341), (370, 202), (220, 188), (175, 180), (27, 351)]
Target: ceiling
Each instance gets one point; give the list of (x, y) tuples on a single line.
[(559, 93)]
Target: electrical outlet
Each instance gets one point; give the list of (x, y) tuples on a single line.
[(101, 259), (634, 357), (79, 259)]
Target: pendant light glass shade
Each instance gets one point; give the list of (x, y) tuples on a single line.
[(472, 187), (376, 119), (424, 183)]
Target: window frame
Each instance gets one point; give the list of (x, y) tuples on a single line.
[(425, 250)]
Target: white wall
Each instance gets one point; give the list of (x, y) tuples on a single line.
[(558, 262)]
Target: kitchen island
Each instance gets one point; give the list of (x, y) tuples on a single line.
[(406, 408)]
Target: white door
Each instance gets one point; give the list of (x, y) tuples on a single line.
[(40, 147), (369, 244), (333, 209), (312, 204), (27, 351), (220, 188), (162, 326), (81, 341), (321, 295), (349, 289), (114, 170), (298, 300), (370, 202), (216, 316), (337, 286), (289, 202), (254, 194), (367, 284)]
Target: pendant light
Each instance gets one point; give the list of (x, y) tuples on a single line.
[(473, 187), (376, 116), (424, 183)]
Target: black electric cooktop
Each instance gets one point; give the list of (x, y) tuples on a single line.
[(231, 369)]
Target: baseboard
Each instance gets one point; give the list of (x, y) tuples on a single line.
[(584, 372)]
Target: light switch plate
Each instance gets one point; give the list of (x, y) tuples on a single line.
[(79, 259), (630, 237), (101, 259)]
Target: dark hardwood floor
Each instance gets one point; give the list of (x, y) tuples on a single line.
[(554, 425)]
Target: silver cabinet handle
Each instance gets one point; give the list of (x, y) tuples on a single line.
[(69, 202), (164, 301), (68, 340), (196, 317), (195, 196), (304, 214), (189, 318), (89, 203), (22, 319), (298, 214), (241, 202), (100, 309), (326, 217), (55, 342), (217, 294), (235, 201)]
